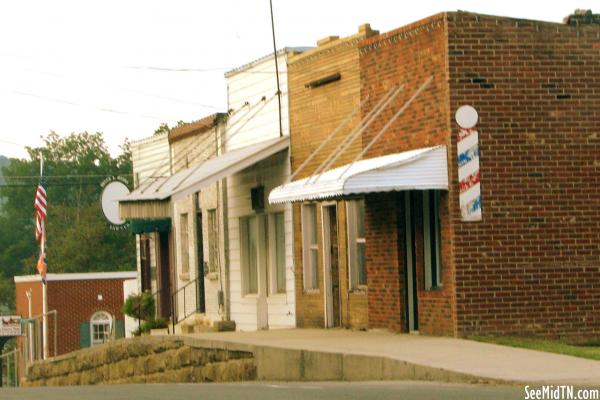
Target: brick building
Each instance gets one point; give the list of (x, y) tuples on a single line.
[(531, 264), (87, 307), (325, 81)]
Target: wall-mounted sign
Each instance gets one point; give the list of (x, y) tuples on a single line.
[(469, 176), (112, 192), (10, 325)]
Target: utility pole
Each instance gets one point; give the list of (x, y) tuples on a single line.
[(276, 68)]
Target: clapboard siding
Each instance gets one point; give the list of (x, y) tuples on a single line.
[(258, 121), (150, 157), (271, 173)]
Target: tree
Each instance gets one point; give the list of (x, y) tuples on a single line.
[(79, 238), (164, 127)]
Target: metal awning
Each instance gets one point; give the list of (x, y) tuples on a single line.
[(420, 169), (147, 225), (192, 179)]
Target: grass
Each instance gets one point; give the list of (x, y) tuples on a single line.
[(589, 350)]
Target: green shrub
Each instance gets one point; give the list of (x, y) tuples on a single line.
[(140, 306), (158, 323)]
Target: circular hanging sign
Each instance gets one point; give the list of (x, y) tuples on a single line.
[(112, 192), (466, 117)]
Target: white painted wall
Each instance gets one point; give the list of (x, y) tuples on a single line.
[(281, 307), (258, 121), (150, 157), (208, 199), (129, 287), (253, 124)]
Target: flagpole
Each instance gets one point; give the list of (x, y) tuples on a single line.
[(44, 288)]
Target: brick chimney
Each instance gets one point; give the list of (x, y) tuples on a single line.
[(582, 17)]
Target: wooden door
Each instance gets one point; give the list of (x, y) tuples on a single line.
[(331, 267)]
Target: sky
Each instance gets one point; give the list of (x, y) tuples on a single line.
[(124, 67)]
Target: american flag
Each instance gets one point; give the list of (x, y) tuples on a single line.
[(40, 205)]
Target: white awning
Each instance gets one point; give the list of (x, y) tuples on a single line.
[(192, 179), (419, 169)]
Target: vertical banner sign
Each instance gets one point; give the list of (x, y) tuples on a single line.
[(469, 177)]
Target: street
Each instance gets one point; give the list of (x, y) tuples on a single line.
[(405, 390)]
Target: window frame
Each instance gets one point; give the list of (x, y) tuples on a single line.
[(96, 321), (432, 243), (274, 268), (184, 243), (353, 241), (310, 262), (212, 240), (245, 265)]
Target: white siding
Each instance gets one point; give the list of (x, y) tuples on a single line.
[(260, 120), (270, 173), (129, 287), (250, 124), (213, 282), (150, 157)]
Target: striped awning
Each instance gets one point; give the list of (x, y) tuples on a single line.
[(419, 169)]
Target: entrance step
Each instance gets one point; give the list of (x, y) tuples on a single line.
[(200, 323)]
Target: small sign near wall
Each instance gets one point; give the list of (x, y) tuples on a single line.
[(469, 176), (10, 325)]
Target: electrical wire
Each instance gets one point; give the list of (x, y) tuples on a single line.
[(101, 109)]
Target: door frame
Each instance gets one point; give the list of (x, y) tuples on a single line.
[(410, 265), (164, 275), (327, 284)]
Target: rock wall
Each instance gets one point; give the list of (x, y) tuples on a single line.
[(141, 360)]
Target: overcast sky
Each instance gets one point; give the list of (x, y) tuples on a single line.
[(123, 67)]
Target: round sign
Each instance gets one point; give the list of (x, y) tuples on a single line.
[(111, 194), (466, 117)]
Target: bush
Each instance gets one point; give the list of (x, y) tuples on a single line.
[(158, 323), (140, 306)]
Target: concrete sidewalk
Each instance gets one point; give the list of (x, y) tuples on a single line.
[(480, 361)]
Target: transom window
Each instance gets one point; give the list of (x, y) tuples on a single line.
[(100, 327)]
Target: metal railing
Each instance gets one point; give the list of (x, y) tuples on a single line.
[(186, 296), (10, 365), (33, 349)]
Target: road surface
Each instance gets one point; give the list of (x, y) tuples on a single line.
[(270, 391)]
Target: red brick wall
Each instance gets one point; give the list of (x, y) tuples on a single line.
[(385, 275), (532, 266), (407, 56), (75, 302)]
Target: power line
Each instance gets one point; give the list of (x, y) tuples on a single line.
[(15, 143), (111, 85), (71, 103), (54, 184), (65, 176), (165, 69)]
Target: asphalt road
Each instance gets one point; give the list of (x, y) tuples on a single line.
[(270, 391)]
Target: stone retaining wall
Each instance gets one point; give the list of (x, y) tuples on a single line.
[(141, 360)]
